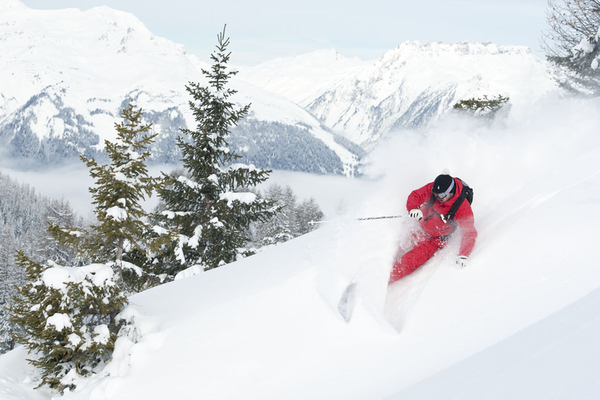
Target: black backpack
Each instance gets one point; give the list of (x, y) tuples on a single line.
[(466, 193)]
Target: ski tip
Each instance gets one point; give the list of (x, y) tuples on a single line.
[(347, 301)]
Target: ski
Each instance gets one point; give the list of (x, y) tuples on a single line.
[(346, 304)]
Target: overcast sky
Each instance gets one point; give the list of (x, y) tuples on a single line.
[(265, 29)]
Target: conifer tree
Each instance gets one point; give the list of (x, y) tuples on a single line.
[(307, 213), (59, 213), (8, 280), (69, 319), (120, 187), (281, 227), (7, 329), (572, 44), (292, 219), (211, 207), (483, 107), (68, 315)]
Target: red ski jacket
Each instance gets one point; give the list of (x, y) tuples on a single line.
[(432, 222)]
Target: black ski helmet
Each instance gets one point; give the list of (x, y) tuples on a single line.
[(442, 183)]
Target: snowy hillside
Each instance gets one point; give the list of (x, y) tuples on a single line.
[(520, 322), (66, 74), (409, 87)]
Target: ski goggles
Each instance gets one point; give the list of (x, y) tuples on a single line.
[(446, 193)]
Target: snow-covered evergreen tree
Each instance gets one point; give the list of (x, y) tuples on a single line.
[(68, 318), (8, 279), (21, 213), (120, 187), (212, 207), (7, 329), (23, 222), (59, 213), (68, 315), (483, 107), (292, 219), (24, 217), (280, 227), (307, 213), (573, 44)]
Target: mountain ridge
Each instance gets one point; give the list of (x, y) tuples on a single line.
[(416, 83)]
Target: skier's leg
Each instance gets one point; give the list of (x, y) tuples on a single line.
[(408, 242), (416, 257)]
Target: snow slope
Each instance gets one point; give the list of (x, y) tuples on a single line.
[(303, 78), (520, 322), (556, 358)]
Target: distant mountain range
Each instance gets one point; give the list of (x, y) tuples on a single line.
[(408, 88), (66, 74)]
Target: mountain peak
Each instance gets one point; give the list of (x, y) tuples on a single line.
[(6, 5)]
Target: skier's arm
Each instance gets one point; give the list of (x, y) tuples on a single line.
[(466, 221), (419, 197)]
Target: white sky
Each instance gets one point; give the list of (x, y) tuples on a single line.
[(265, 29)]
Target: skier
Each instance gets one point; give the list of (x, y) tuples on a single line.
[(431, 205)]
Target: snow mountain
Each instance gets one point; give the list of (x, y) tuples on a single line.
[(66, 74), (409, 87)]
